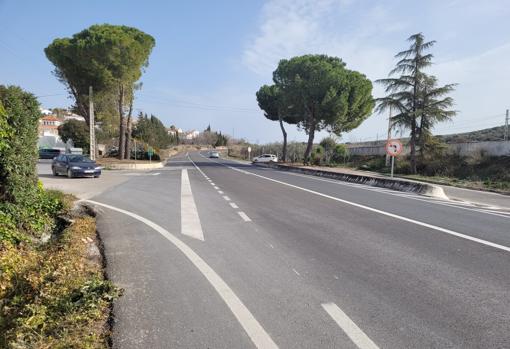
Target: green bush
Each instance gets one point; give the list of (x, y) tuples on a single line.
[(35, 218), (340, 153), (77, 131), (18, 144)]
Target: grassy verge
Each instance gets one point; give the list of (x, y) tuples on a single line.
[(487, 185), (53, 291)]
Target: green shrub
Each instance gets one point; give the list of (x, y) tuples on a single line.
[(340, 153), (35, 218), (18, 144)]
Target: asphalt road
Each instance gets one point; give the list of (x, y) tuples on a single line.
[(218, 254)]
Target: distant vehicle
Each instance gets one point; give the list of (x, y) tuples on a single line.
[(49, 153), (214, 154), (75, 166), (265, 158)]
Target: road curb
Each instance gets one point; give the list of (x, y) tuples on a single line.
[(117, 166), (389, 183)]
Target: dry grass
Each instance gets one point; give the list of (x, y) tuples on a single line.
[(55, 295)]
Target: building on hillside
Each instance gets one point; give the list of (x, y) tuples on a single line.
[(192, 134), (72, 116), (172, 131), (48, 125), (45, 111)]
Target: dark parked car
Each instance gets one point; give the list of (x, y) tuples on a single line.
[(49, 153), (75, 166)]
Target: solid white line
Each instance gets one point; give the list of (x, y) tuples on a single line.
[(244, 216), (220, 192), (190, 221), (412, 196), (423, 224), (356, 335), (253, 328), (226, 197), (233, 205)]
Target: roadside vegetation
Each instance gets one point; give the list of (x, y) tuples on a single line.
[(53, 293)]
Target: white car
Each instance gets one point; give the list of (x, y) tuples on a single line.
[(214, 154), (266, 158)]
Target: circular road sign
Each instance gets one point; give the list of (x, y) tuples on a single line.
[(394, 147)]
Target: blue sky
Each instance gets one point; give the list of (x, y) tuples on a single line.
[(211, 56)]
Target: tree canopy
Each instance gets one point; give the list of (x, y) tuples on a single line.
[(152, 131), (77, 131), (321, 94), (270, 101), (414, 96), (111, 59)]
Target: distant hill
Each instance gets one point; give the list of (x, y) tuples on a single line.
[(488, 134)]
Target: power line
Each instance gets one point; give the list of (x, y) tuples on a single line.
[(58, 94), (186, 104)]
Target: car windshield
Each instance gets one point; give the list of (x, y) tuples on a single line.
[(78, 158)]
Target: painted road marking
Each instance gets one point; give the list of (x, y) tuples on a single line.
[(212, 183), (190, 221), (156, 174), (244, 216), (253, 328), (295, 271), (412, 196), (392, 215), (215, 187), (226, 197), (220, 192), (233, 205), (356, 335)]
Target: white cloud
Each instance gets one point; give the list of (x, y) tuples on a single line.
[(367, 37)]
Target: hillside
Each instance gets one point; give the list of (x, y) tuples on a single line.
[(488, 134)]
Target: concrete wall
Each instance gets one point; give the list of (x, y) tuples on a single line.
[(500, 148), (473, 149)]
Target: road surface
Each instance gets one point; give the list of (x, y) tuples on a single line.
[(213, 253)]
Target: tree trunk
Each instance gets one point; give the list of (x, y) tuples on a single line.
[(421, 139), (284, 150), (122, 123), (127, 147), (311, 135), (412, 144)]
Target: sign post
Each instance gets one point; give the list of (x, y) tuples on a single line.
[(393, 148), (249, 153), (150, 152)]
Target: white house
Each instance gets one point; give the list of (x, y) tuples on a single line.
[(192, 134)]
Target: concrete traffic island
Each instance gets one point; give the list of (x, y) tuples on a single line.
[(114, 164), (399, 184)]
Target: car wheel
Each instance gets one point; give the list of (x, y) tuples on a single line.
[(96, 176), (69, 174), (54, 171)]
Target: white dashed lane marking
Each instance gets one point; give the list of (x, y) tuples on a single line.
[(244, 216)]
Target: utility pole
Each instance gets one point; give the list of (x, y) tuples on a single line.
[(92, 130), (506, 126), (389, 137)]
